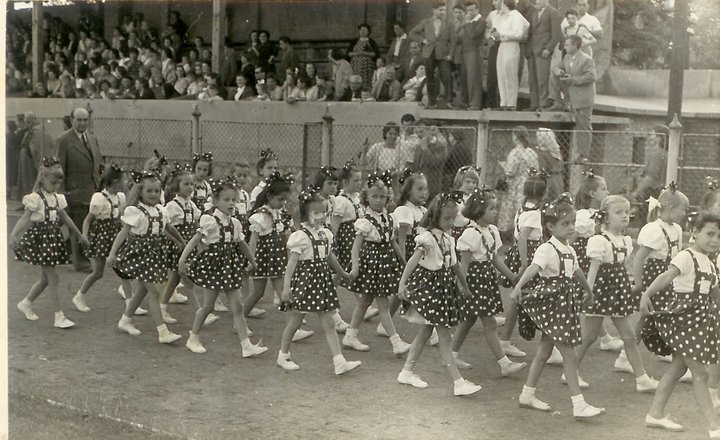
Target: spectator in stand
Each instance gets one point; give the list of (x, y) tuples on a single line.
[(311, 72), (288, 85), (385, 155), (39, 90), (341, 72), (167, 63), (363, 51), (303, 91), (509, 28), (105, 91), (379, 73), (365, 96), (133, 65), (244, 91), (515, 168), (389, 88), (51, 79), (83, 77), (194, 84), (322, 89), (354, 90), (178, 24), (274, 91), (182, 82), (266, 51), (247, 69), (470, 38), (416, 88), (286, 58), (409, 67), (230, 64), (577, 80), (544, 36), (142, 90), (581, 30), (251, 51), (437, 36), (398, 51), (589, 22), (212, 94), (261, 92)]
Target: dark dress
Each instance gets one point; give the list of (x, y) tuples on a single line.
[(103, 231), (612, 293), (343, 243), (270, 253), (219, 267), (43, 244), (144, 257)]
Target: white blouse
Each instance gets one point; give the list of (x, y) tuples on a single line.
[(300, 243), (364, 227), (651, 236), (139, 222), (102, 209), (599, 248), (262, 222), (434, 257), (471, 241), (685, 282), (35, 205), (529, 219), (344, 208), (461, 220), (549, 261), (211, 231), (584, 225), (408, 214), (256, 191), (176, 213)]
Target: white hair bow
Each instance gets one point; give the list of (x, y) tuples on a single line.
[(653, 203)]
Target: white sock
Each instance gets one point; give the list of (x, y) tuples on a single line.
[(622, 354), (245, 343), (642, 378), (80, 293), (339, 360), (460, 382), (605, 338), (59, 315), (395, 339), (578, 401), (162, 329), (456, 354), (528, 391), (714, 394), (504, 362), (351, 332)]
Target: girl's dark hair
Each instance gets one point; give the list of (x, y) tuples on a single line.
[(203, 158), (307, 198), (347, 171), (173, 183), (219, 186), (555, 211), (704, 218), (431, 219), (366, 26), (477, 204), (711, 197), (322, 176), (590, 182), (407, 187), (110, 175), (511, 4), (265, 157), (273, 189), (390, 126), (534, 187)]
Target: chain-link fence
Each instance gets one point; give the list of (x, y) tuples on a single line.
[(699, 158)]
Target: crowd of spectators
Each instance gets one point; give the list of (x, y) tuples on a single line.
[(439, 59)]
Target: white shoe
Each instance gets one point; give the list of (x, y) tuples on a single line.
[(346, 366), (354, 343), (210, 319), (127, 326), (715, 434), (340, 325), (666, 358), (79, 301), (178, 298), (434, 338), (611, 344), (371, 312), (500, 321), (460, 363), (466, 388), (400, 347), (255, 312), (533, 402), (380, 330), (168, 337), (167, 318), (622, 364), (253, 350), (581, 382), (301, 334), (193, 343), (513, 368), (409, 378), (510, 350), (121, 292), (25, 307), (62, 322), (665, 423), (646, 385), (687, 377), (286, 363), (555, 357), (140, 311), (219, 306), (587, 412)]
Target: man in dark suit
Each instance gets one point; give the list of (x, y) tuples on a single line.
[(410, 64), (437, 35), (398, 51), (388, 88), (471, 37), (80, 158), (353, 91), (544, 36)]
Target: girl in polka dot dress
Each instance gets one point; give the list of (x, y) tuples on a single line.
[(528, 236), (266, 166), (36, 238), (710, 204), (202, 169), (139, 251), (478, 247), (411, 209), (218, 267), (609, 280), (376, 262), (687, 323), (309, 286), (184, 216), (428, 288), (101, 225), (466, 180), (347, 210), (658, 243), (550, 303)]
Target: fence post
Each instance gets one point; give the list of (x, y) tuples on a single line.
[(196, 129), (481, 149), (673, 157), (327, 137), (90, 118)]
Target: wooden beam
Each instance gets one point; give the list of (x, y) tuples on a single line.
[(219, 29), (37, 42), (679, 58)]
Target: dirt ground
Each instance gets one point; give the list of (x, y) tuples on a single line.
[(219, 395)]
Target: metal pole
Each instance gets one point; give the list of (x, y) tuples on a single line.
[(481, 149), (679, 57), (37, 42), (196, 146), (218, 38), (673, 158), (327, 138)]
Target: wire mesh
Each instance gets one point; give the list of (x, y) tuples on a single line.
[(699, 158)]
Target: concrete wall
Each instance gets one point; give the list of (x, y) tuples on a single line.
[(655, 83)]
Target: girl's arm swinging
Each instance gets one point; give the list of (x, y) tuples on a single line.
[(192, 244), (661, 282)]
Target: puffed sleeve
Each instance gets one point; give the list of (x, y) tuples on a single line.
[(683, 261), (532, 219), (238, 234), (628, 245), (584, 225), (496, 235), (97, 203), (469, 240), (596, 247), (132, 216), (174, 212), (121, 199), (363, 227), (298, 242), (341, 206), (195, 210), (403, 216), (62, 201), (650, 236), (453, 253), (32, 202), (425, 241), (679, 235), (261, 223), (330, 237), (543, 254), (208, 225)]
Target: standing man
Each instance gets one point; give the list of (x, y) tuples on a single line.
[(577, 78), (589, 22), (410, 65), (398, 51), (80, 158), (437, 36), (471, 37), (288, 58), (545, 34)]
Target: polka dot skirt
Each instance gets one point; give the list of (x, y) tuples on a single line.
[(690, 328), (312, 288), (101, 236), (270, 256), (612, 292), (143, 257), (483, 283), (551, 306), (42, 244), (651, 337), (512, 260), (342, 246), (432, 294), (218, 267), (379, 271), (172, 251), (580, 246)]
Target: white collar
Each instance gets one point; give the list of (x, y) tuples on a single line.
[(558, 244), (221, 215), (80, 135), (372, 212), (476, 18), (404, 36), (47, 194), (148, 206), (181, 199)]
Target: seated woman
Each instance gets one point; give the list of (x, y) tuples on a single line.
[(415, 88), (302, 91)]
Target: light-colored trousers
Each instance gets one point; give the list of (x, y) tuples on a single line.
[(508, 60)]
